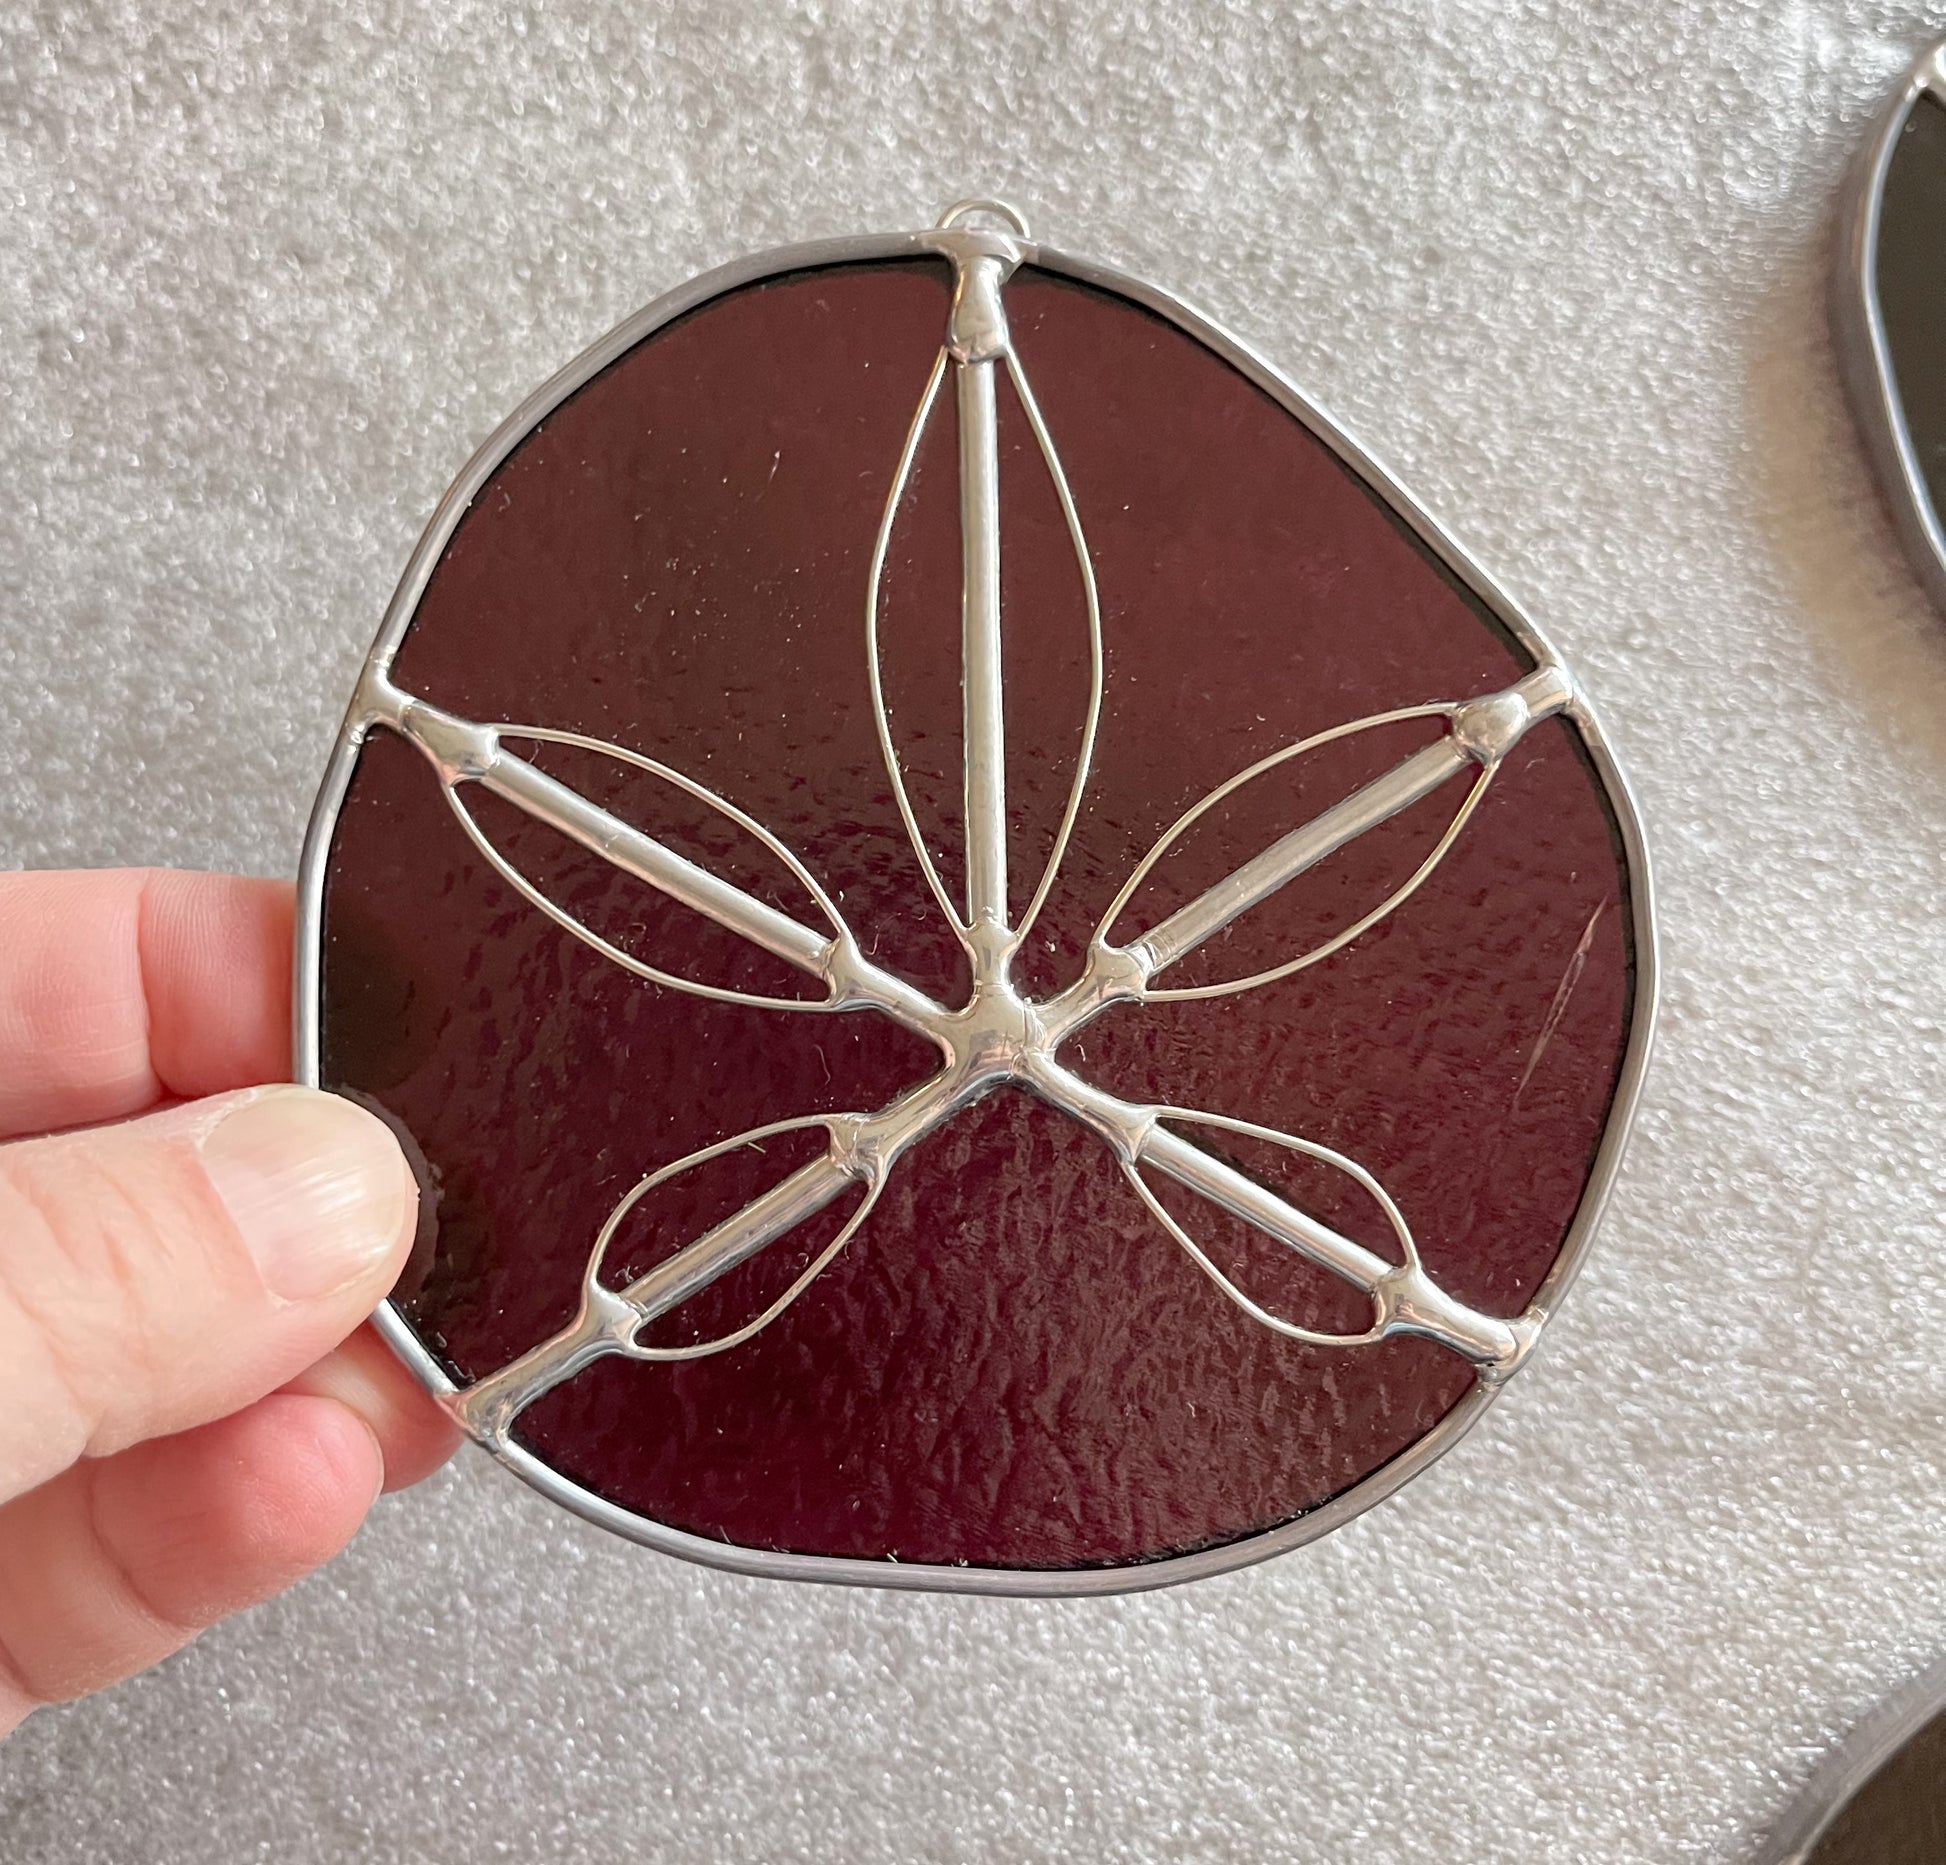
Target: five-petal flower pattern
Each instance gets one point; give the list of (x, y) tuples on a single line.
[(994, 1031)]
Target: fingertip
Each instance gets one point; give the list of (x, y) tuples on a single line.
[(318, 1190), (115, 1564), (310, 1470), (229, 1514), (414, 1435), (123, 986)]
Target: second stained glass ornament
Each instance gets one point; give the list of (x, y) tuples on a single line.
[(1009, 972), (1889, 310)]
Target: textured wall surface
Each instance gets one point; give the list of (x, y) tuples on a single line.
[(269, 273)]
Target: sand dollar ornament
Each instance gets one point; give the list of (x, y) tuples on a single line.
[(1008, 972)]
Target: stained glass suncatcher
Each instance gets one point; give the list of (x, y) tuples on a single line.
[(1889, 310), (1009, 973)]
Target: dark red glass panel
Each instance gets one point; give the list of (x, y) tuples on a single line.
[(1012, 1365)]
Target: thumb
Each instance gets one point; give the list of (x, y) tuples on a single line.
[(168, 1271)]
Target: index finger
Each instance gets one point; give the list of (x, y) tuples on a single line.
[(120, 988)]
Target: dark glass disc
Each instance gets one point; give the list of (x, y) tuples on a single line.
[(1912, 285), (1898, 1817), (1012, 1365)]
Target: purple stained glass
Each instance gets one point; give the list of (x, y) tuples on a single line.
[(1012, 1362)]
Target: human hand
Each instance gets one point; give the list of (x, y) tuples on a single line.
[(191, 1416)]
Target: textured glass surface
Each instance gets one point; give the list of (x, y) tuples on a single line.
[(1912, 284), (1012, 1364)]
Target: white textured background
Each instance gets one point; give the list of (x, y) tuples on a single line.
[(269, 270)]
